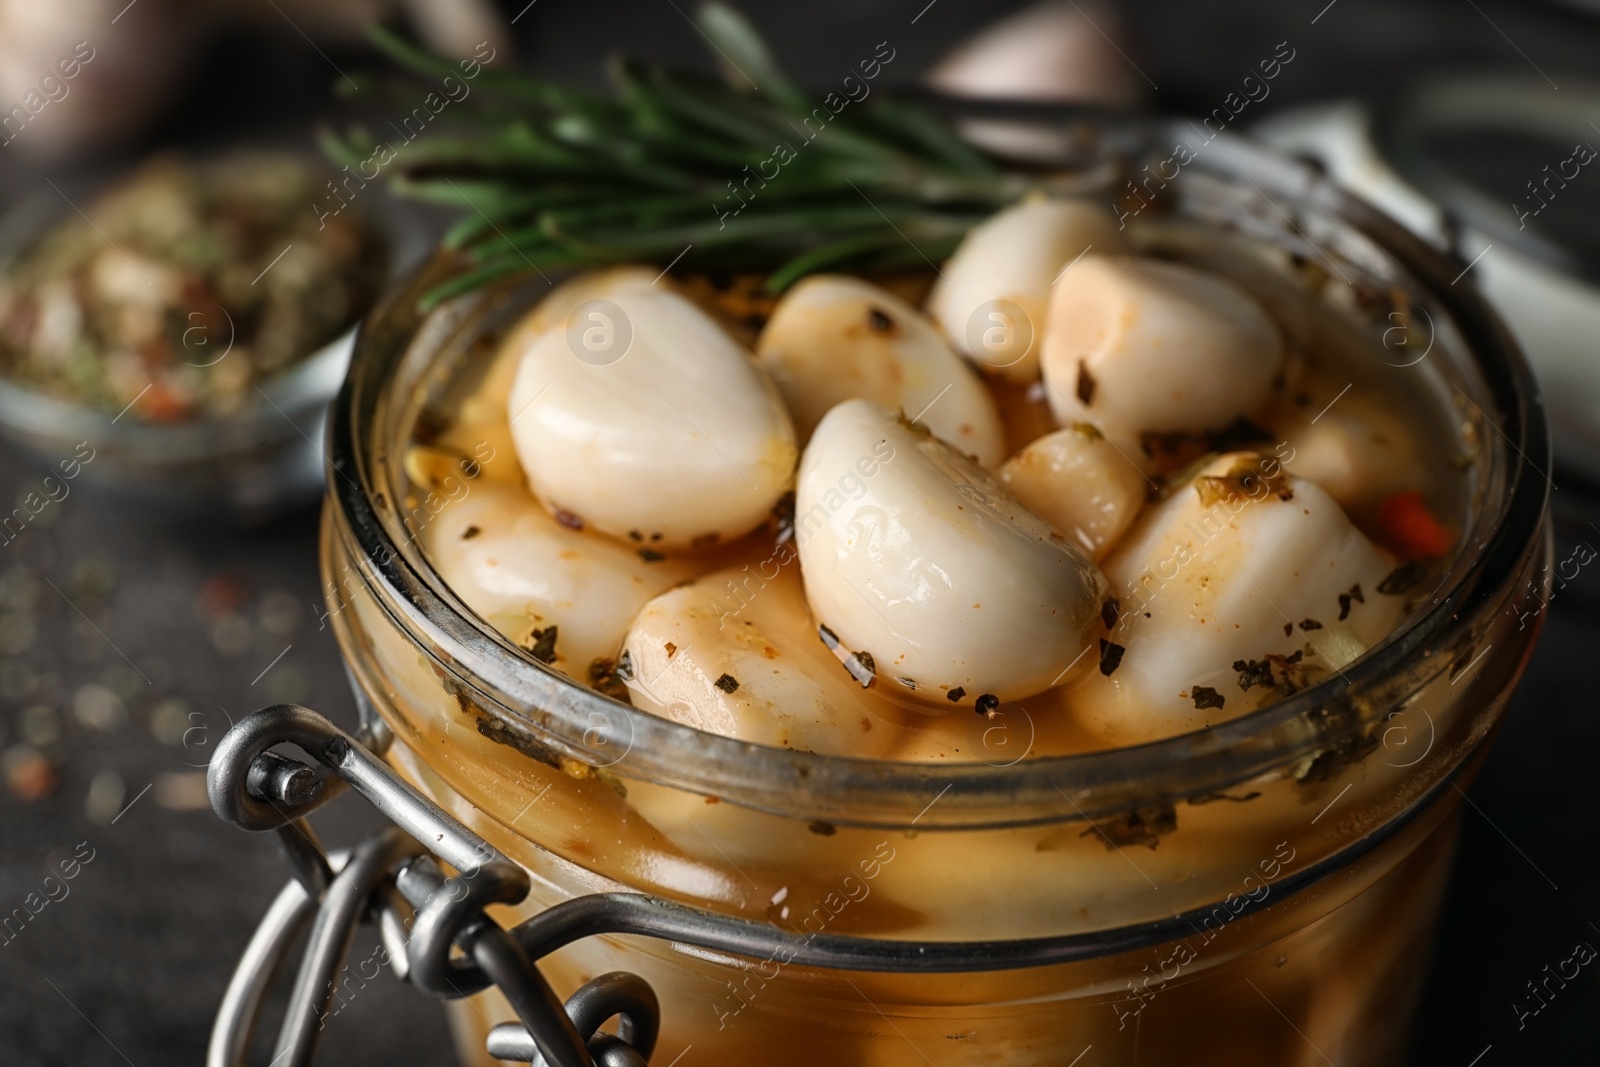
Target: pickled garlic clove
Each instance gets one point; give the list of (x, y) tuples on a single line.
[(735, 653), (1149, 346), (919, 559), (1356, 448), (1244, 564), (835, 338), (555, 311), (993, 295), (568, 595), (1081, 483), (647, 421)]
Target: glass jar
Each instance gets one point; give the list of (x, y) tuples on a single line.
[(1259, 892)]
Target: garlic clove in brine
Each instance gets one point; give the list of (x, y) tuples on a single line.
[(645, 420), (1243, 586), (735, 653), (833, 338), (1150, 346), (565, 595), (993, 294), (1080, 482), (919, 562)]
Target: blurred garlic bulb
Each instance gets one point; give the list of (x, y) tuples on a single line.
[(1244, 564), (1055, 50), (992, 296), (738, 655), (566, 594), (1155, 347), (922, 566), (834, 338), (1080, 483), (645, 420), (1050, 51), (73, 83)]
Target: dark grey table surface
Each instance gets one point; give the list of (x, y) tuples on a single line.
[(126, 647)]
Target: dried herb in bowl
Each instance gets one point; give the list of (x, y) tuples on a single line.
[(183, 285)]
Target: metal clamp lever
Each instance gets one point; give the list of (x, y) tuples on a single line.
[(384, 878)]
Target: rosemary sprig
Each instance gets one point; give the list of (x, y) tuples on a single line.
[(754, 174)]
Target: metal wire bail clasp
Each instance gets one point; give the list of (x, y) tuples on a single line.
[(424, 915)]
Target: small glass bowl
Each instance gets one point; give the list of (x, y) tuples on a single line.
[(244, 469)]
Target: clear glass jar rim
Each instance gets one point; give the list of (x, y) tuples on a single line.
[(556, 713)]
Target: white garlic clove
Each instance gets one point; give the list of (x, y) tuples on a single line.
[(1353, 445), (919, 558), (1150, 346), (993, 295), (735, 653), (1081, 483), (569, 594), (556, 309), (1244, 563), (833, 338), (645, 420)]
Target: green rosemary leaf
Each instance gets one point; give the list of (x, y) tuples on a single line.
[(933, 136), (738, 43)]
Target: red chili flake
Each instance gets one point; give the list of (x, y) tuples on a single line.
[(1411, 529)]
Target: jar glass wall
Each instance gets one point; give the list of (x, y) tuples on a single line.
[(1260, 892)]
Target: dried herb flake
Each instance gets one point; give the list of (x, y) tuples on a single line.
[(1086, 384), (542, 644), (1253, 672), (1401, 578)]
